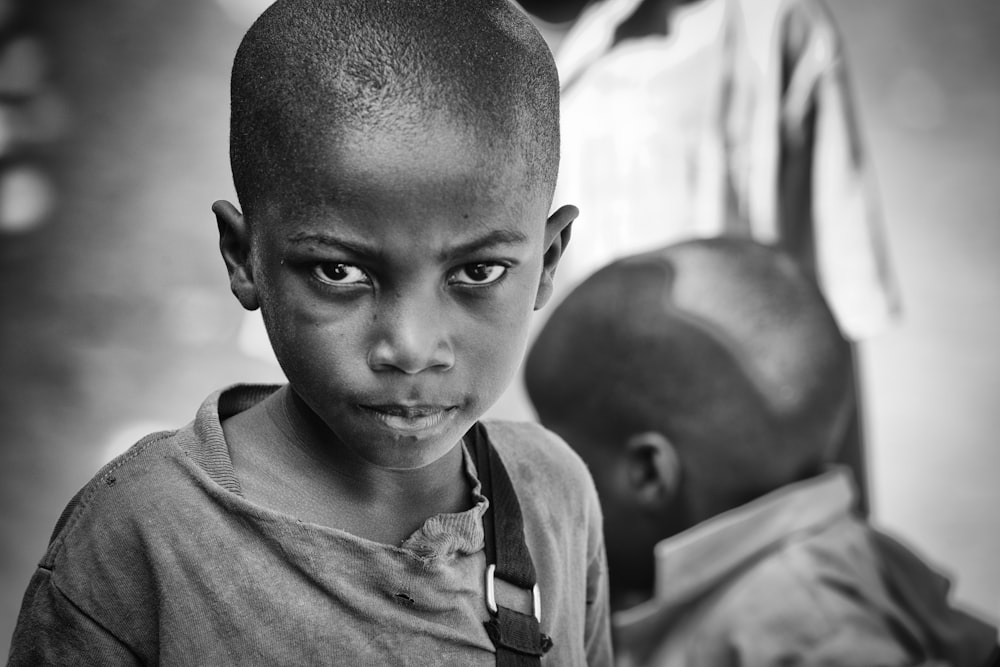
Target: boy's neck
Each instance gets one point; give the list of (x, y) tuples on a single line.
[(287, 460)]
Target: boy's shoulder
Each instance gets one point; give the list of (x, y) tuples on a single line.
[(848, 593), (156, 487), (126, 495), (536, 455)]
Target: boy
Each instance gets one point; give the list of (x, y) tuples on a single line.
[(706, 385), (395, 163)]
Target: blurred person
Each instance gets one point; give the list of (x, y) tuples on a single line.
[(701, 118), (705, 117), (707, 386), (395, 163)]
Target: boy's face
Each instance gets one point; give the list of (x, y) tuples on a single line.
[(396, 274)]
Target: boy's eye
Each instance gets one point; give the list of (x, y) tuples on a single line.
[(481, 273), (336, 273)]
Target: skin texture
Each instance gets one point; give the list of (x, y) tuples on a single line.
[(396, 272)]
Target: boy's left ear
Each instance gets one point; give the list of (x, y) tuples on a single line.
[(558, 229)]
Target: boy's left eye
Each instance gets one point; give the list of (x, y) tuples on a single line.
[(480, 273)]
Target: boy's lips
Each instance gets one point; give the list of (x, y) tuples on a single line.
[(409, 418)]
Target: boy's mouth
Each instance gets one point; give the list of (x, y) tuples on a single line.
[(410, 418)]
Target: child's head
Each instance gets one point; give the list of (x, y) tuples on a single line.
[(691, 379), (319, 72), (395, 161)]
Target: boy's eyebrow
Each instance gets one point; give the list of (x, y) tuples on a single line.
[(333, 241), (494, 237)]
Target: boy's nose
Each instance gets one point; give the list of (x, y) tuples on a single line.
[(411, 337)]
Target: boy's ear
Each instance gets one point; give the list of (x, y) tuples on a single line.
[(234, 243), (654, 469), (557, 232)]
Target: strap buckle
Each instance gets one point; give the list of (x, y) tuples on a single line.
[(491, 600)]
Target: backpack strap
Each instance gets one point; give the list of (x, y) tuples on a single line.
[(517, 636)]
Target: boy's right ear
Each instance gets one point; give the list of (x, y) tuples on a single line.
[(654, 469), (234, 243)]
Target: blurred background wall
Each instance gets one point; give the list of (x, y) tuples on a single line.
[(116, 319)]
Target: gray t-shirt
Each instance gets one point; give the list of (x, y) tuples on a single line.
[(161, 560)]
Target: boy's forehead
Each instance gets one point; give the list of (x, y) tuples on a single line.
[(365, 165)]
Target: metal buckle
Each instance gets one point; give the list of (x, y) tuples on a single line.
[(491, 600)]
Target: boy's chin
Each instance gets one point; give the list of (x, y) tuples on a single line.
[(408, 443), (408, 456)]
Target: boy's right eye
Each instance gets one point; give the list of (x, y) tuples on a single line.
[(338, 273)]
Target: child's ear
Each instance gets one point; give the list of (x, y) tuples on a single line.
[(557, 232), (654, 469), (234, 242)]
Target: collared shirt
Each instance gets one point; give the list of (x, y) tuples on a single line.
[(701, 132), (161, 560), (795, 578)]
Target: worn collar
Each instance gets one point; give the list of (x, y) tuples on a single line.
[(694, 562)]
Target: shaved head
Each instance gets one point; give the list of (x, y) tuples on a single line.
[(310, 71), (723, 345)]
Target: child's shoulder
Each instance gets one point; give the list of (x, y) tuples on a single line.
[(530, 447), (532, 441), (163, 480), (133, 488)]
